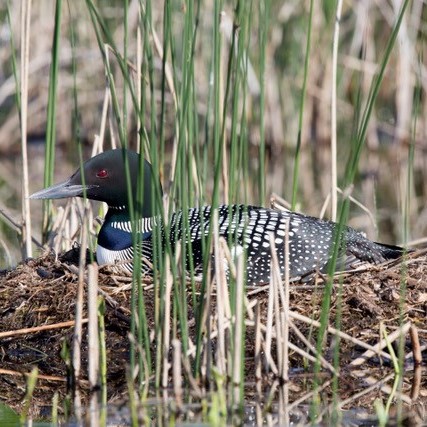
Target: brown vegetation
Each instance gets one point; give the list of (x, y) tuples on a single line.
[(38, 307)]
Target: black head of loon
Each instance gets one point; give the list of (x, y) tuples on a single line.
[(105, 180)]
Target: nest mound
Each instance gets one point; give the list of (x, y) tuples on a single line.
[(41, 293)]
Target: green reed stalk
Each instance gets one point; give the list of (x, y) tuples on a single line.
[(76, 116), (103, 36), (13, 61), (51, 120), (31, 385), (352, 165), (264, 15), (239, 66), (151, 144), (139, 316), (351, 169), (232, 74), (137, 301), (406, 227), (237, 78), (301, 110), (166, 42), (54, 411), (217, 161), (183, 170)]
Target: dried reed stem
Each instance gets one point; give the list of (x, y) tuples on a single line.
[(39, 376), (206, 320), (416, 382), (416, 348), (222, 295), (238, 328), (334, 201), (59, 227), (331, 330), (366, 390), (403, 330), (25, 55), (15, 226), (285, 302), (257, 356), (176, 371), (283, 415), (93, 337), (269, 326), (281, 329), (311, 347), (35, 329), (77, 338), (98, 146), (166, 321), (385, 388), (302, 352), (110, 98), (195, 389), (309, 395)]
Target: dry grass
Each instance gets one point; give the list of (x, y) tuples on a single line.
[(383, 172)]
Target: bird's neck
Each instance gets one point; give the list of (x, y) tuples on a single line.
[(117, 214), (121, 218), (117, 231)]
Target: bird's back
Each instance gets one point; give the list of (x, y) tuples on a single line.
[(250, 229)]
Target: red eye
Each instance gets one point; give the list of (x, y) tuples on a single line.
[(102, 173)]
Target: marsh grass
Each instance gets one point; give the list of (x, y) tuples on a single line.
[(197, 85)]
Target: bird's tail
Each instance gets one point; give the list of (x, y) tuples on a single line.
[(365, 250), (375, 253), (387, 252)]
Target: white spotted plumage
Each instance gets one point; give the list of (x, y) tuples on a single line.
[(248, 228)]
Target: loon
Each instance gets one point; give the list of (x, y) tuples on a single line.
[(248, 228)]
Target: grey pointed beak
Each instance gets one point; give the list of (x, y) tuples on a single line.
[(61, 191)]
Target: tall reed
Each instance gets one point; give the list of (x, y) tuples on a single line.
[(189, 100)]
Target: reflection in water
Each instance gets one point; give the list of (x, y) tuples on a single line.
[(291, 403)]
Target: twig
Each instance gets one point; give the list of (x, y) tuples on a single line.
[(416, 349), (39, 376), (309, 395), (367, 390), (380, 345), (310, 346), (371, 380), (15, 226), (341, 334), (35, 329)]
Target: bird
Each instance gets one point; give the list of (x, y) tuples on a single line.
[(249, 229)]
